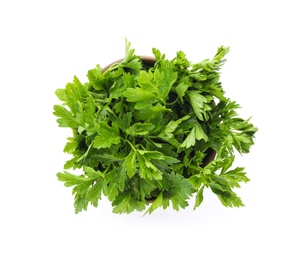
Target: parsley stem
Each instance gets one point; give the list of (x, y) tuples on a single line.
[(132, 146), (106, 170), (85, 154)]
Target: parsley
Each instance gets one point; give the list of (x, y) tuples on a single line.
[(164, 131)]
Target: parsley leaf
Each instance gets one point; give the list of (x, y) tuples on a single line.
[(106, 137), (66, 119)]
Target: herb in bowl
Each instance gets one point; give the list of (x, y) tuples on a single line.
[(153, 133)]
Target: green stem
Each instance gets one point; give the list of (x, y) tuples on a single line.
[(132, 146), (85, 154)]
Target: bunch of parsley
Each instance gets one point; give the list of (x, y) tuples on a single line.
[(147, 133)]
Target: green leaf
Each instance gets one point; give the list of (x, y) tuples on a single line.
[(158, 202), (95, 193), (71, 164), (128, 80), (196, 181), (138, 95), (105, 139), (69, 179), (165, 79), (150, 81), (227, 162), (71, 145), (200, 133), (116, 90), (157, 54), (221, 53), (120, 178), (60, 93), (147, 169), (197, 103), (181, 89), (199, 198), (86, 189), (90, 121), (130, 60), (234, 177), (130, 164), (168, 131), (72, 96), (181, 62), (179, 190), (96, 77), (139, 129), (224, 192), (190, 140), (129, 53), (152, 86), (122, 122), (133, 64), (112, 191), (115, 182), (149, 112), (80, 203), (124, 203), (107, 159), (66, 119), (91, 173)]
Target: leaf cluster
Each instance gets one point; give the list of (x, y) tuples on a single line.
[(143, 133)]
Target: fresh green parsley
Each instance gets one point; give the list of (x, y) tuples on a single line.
[(149, 133)]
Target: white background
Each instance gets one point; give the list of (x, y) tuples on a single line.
[(45, 43)]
